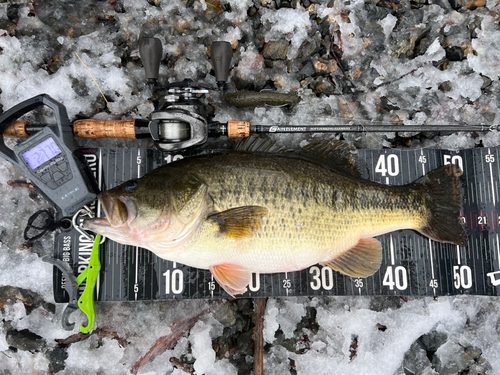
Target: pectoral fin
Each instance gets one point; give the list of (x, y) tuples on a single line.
[(232, 278), (362, 260), (239, 222)]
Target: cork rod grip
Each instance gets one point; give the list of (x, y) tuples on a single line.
[(104, 129), (238, 129), (16, 129)]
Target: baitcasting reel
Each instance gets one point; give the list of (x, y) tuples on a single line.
[(181, 122)]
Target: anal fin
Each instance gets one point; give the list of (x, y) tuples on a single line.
[(362, 260), (231, 277)]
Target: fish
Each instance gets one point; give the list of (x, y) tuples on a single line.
[(237, 213)]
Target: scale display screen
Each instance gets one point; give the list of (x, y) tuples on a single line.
[(41, 153)]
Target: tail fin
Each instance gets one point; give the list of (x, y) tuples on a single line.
[(445, 197)]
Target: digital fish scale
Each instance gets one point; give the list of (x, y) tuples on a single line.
[(50, 158), (412, 264)]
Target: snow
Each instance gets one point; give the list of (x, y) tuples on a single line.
[(282, 314), (84, 356), (107, 43), (388, 24), (290, 23), (201, 340), (487, 46)]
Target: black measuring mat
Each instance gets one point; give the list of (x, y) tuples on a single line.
[(412, 263)]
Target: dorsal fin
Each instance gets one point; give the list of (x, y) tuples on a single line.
[(337, 155), (333, 154), (259, 143)]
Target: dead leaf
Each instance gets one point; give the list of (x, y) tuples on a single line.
[(214, 5)]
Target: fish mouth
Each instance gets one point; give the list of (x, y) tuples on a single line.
[(118, 211)]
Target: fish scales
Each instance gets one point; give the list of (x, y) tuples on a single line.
[(311, 207), (238, 213)]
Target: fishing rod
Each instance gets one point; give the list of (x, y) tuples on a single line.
[(241, 129), (140, 129), (182, 120)]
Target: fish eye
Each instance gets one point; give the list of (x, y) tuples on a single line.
[(130, 186)]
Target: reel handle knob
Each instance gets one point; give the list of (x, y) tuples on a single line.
[(150, 50), (221, 53)]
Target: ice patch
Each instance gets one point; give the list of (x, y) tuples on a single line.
[(339, 327), (290, 314), (388, 24), (15, 312), (233, 34), (250, 63), (84, 355), (418, 119), (283, 314), (201, 345), (30, 272), (435, 51), (271, 324), (352, 43), (238, 12), (487, 47), (457, 141), (292, 24)]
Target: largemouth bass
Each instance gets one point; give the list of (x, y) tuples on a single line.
[(239, 213)]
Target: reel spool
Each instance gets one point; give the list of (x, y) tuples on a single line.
[(181, 122)]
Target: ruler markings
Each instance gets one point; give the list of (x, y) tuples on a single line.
[(474, 174), (417, 266), (485, 184), (497, 162), (466, 172), (161, 285), (118, 254), (423, 164), (136, 289), (149, 269), (431, 258), (98, 214), (212, 280), (473, 260), (104, 162), (136, 286), (408, 244), (491, 179), (441, 260), (391, 247), (482, 265), (473, 193), (449, 263), (498, 251), (113, 269)]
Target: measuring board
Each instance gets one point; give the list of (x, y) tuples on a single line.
[(412, 264)]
